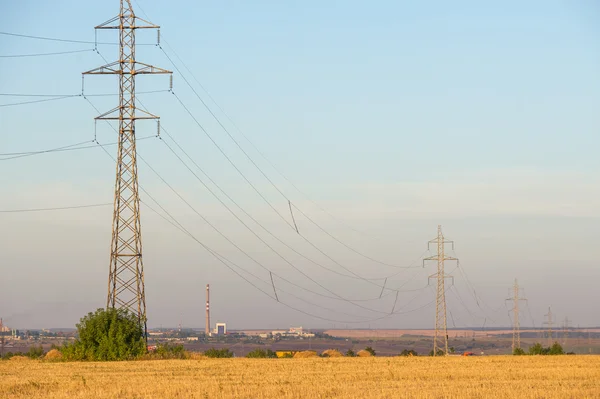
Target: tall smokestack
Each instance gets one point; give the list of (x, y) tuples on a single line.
[(207, 328)]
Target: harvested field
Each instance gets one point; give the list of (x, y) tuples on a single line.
[(419, 377)]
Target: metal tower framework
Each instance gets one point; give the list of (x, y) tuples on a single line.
[(566, 327), (441, 328), (516, 340), (207, 321), (549, 323), (126, 271)]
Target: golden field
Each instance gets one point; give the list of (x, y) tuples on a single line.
[(418, 377)]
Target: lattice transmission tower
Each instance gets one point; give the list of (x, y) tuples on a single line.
[(549, 323), (566, 326), (126, 271), (516, 339), (441, 327)]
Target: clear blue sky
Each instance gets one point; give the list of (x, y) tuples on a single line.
[(395, 116)]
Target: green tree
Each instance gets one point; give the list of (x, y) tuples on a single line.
[(107, 334), (439, 352), (537, 349), (261, 353), (518, 352), (35, 352), (370, 350), (218, 353), (168, 351), (407, 352), (556, 349), (350, 353)]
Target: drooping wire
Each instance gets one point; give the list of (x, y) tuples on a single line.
[(255, 164), (62, 208), (248, 140), (242, 209), (263, 197), (167, 134), (293, 218), (395, 302), (339, 297), (383, 288), (66, 40), (71, 147), (40, 101), (223, 259), (454, 290), (28, 153), (46, 54), (259, 193), (248, 255), (344, 244), (230, 161), (248, 156), (78, 94), (273, 283)]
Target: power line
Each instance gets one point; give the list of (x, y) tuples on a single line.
[(243, 210), (54, 39), (346, 245), (255, 164), (231, 162), (71, 147), (41, 101), (224, 260), (246, 253), (254, 187), (54, 209), (252, 218), (45, 54), (338, 297), (243, 135), (77, 94), (354, 275)]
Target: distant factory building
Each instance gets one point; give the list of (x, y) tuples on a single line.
[(221, 328)]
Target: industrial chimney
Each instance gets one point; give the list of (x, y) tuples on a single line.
[(207, 327)]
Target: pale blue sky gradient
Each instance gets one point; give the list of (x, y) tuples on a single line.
[(395, 116)]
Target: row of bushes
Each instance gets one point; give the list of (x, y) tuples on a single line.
[(538, 349), (35, 352)]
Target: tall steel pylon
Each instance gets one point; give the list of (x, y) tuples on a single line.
[(126, 272), (516, 340), (566, 327), (441, 327), (549, 323)]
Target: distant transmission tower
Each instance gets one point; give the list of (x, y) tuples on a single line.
[(126, 272), (516, 340), (549, 323), (441, 330), (566, 326)]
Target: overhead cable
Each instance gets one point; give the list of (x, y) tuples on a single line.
[(246, 137), (54, 39), (45, 54), (41, 101), (243, 251), (54, 209)]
